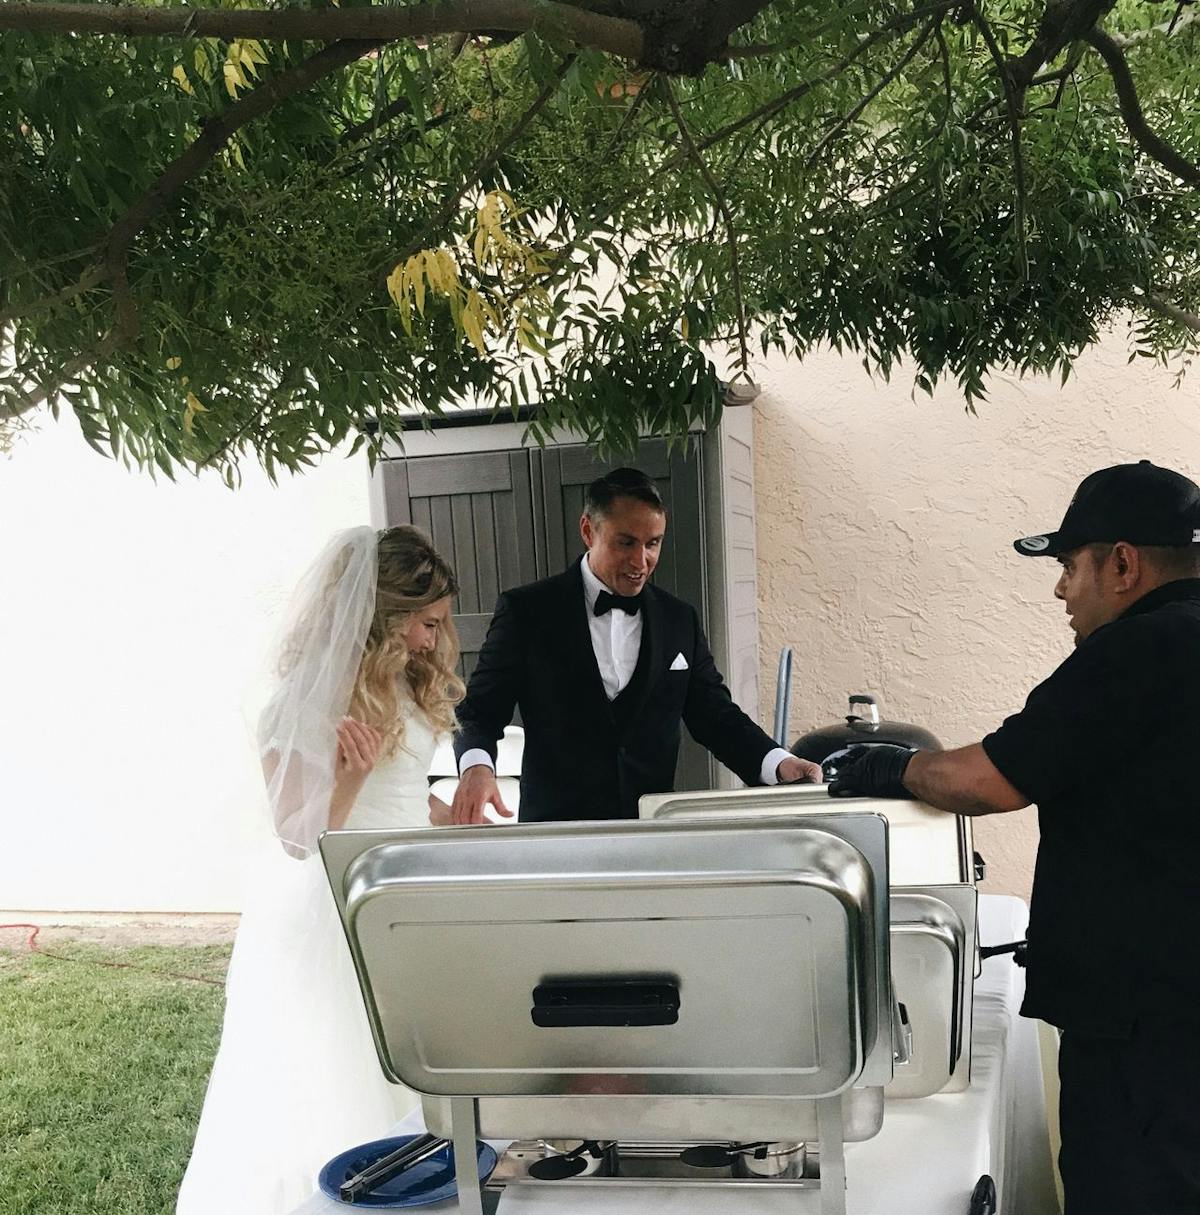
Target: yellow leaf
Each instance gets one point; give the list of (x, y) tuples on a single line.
[(395, 284), (449, 271), (181, 79), (173, 363), (244, 57), (192, 407), (683, 327), (235, 150), (202, 65), (472, 322), (433, 270), (233, 77), (418, 284), (398, 290), (480, 244)]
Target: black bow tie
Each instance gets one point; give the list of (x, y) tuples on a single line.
[(606, 601)]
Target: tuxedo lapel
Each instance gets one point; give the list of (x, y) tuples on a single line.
[(578, 635), (652, 647)]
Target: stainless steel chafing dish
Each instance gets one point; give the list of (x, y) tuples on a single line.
[(659, 984), (934, 945)]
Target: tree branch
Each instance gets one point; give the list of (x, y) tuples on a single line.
[(29, 401), (86, 281), (1014, 98), (852, 114), (1171, 28), (760, 114), (1063, 22), (1172, 311), (379, 23), (113, 262), (731, 232), (1147, 139)]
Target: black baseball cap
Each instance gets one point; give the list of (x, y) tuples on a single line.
[(1138, 503)]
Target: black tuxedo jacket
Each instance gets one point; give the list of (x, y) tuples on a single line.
[(578, 762)]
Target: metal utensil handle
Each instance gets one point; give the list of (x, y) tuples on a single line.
[(389, 1166)]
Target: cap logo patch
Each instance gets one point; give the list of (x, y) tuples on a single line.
[(1039, 544), (1196, 535)]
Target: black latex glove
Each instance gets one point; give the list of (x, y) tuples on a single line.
[(872, 770)]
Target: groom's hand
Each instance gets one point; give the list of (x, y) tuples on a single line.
[(794, 770), (477, 789)]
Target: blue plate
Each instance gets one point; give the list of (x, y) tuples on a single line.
[(430, 1181)]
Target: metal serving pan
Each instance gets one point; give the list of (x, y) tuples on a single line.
[(933, 931), (933, 913), (769, 935), (928, 847)]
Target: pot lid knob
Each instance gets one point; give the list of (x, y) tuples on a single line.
[(864, 713)]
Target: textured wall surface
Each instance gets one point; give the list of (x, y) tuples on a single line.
[(885, 529)]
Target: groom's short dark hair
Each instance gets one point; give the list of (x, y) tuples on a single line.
[(621, 483)]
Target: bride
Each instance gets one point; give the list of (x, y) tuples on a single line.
[(366, 687)]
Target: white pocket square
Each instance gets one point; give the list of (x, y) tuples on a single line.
[(680, 663)]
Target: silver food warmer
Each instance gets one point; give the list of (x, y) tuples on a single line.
[(933, 915), (658, 992)]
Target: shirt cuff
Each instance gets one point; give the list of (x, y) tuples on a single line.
[(773, 759), (475, 756)]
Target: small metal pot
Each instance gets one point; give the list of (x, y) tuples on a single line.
[(782, 1159)]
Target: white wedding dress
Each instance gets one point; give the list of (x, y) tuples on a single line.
[(296, 1079)]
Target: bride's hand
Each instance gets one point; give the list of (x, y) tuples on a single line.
[(440, 814), (358, 749), (357, 753)]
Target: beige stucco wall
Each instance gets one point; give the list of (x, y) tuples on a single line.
[(885, 526)]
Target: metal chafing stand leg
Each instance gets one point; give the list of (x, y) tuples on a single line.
[(830, 1132), (464, 1130)]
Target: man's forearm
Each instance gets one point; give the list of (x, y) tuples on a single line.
[(964, 781)]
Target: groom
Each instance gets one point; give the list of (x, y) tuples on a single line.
[(604, 668)]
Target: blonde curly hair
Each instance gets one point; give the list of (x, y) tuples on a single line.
[(412, 576)]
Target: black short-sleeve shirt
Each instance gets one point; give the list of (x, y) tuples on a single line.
[(1109, 749)]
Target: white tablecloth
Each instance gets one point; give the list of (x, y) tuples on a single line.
[(929, 1153)]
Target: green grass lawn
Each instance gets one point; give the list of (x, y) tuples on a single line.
[(102, 1075)]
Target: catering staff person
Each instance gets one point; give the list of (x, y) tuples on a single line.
[(604, 666), (1109, 748)]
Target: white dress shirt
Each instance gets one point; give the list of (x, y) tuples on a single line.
[(616, 636), (616, 641)]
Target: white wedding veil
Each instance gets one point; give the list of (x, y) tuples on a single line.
[(324, 637)]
